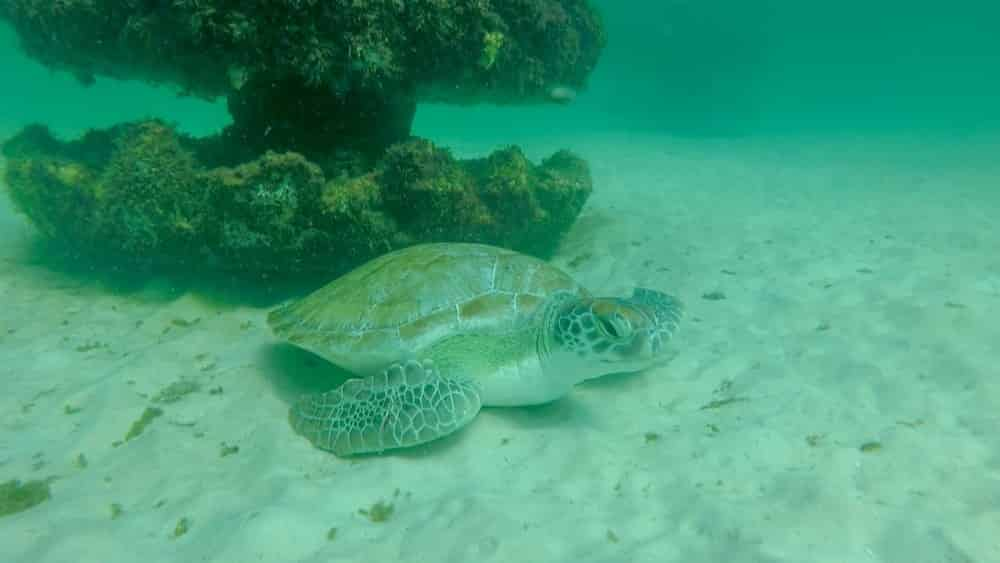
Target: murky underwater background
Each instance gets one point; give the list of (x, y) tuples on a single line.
[(819, 183)]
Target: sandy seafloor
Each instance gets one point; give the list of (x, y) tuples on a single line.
[(861, 283)]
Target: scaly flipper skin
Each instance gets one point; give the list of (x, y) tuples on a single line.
[(405, 405)]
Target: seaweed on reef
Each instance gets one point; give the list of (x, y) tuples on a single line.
[(145, 195), (454, 50)]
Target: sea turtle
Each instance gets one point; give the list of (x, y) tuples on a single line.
[(436, 331)]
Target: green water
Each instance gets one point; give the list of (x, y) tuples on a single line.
[(676, 66), (818, 182)]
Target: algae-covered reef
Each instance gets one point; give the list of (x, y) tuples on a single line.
[(452, 50), (317, 170), (143, 194)]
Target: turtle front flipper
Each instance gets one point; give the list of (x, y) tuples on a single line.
[(406, 404)]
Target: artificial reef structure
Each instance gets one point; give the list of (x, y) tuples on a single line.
[(318, 171)]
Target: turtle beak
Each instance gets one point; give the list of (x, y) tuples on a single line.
[(646, 347), (642, 351), (663, 313)]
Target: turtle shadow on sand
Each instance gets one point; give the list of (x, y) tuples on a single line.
[(626, 382), (570, 409), (293, 372)]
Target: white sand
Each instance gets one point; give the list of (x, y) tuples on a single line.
[(862, 292)]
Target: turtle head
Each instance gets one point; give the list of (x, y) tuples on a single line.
[(601, 335)]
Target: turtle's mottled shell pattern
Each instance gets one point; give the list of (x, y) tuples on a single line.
[(398, 304)]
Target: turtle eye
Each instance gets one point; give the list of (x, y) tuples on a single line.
[(614, 326), (607, 327)]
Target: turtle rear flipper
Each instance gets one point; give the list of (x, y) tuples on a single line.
[(406, 404)]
